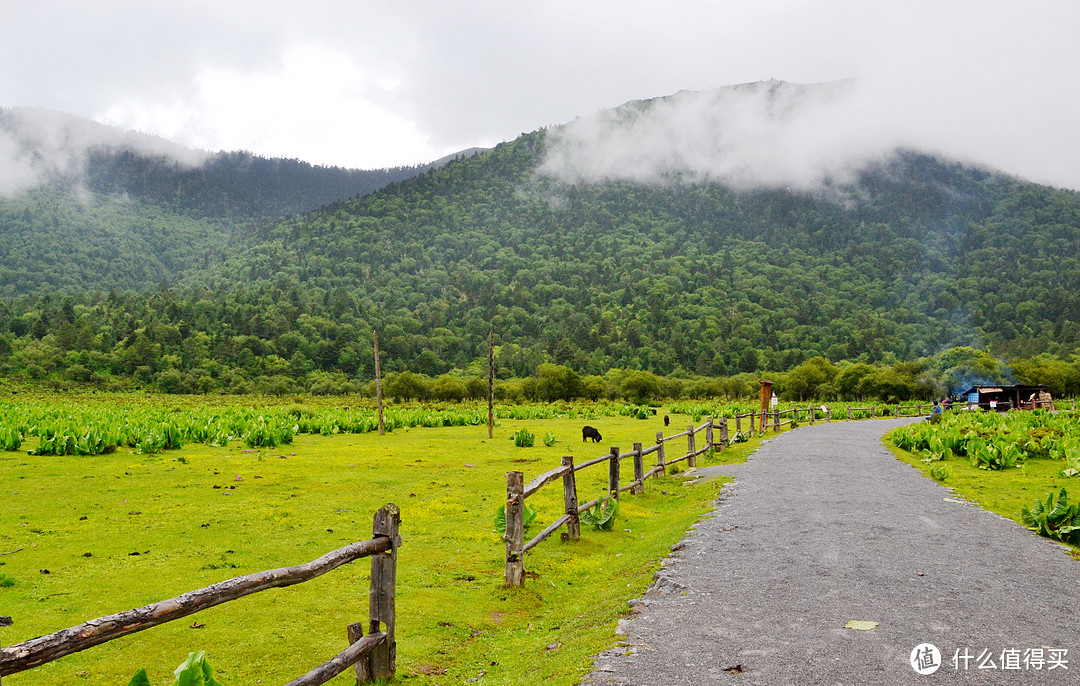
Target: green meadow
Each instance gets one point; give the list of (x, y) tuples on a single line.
[(123, 529)]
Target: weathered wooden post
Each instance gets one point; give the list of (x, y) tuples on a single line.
[(378, 383), (776, 420), (515, 529), (738, 422), (898, 410), (613, 474), (5, 621), (849, 412), (873, 411), (813, 414), (639, 472), (708, 434), (766, 398), (724, 432), (569, 481), (660, 453), (381, 598), (691, 461), (753, 423), (491, 383), (828, 415)]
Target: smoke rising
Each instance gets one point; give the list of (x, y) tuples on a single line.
[(38, 146)]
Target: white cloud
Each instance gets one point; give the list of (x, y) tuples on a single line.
[(315, 99), (368, 84)]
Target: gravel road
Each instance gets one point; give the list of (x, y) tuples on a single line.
[(823, 526)]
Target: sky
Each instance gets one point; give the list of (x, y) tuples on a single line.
[(364, 84)]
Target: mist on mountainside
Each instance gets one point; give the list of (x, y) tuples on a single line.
[(38, 146), (42, 147), (768, 134)]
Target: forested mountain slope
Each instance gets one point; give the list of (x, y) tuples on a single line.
[(910, 256), (84, 206), (920, 255)]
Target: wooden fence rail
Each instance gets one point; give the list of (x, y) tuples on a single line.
[(517, 491), (373, 655)]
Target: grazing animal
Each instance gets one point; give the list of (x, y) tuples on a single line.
[(589, 432), (667, 420)]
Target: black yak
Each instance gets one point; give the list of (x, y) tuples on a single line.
[(589, 432)]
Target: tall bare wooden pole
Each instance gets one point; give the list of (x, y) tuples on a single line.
[(491, 383), (378, 384)]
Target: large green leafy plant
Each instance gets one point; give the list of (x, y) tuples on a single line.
[(1059, 521), (602, 516), (194, 671), (500, 518)]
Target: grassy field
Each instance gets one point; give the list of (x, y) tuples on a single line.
[(120, 530)]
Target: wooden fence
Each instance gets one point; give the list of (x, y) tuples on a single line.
[(373, 655), (517, 491), (717, 437)]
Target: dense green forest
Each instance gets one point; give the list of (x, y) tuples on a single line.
[(687, 281)]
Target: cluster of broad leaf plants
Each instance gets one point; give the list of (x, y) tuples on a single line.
[(1057, 520), (991, 440), (699, 410), (77, 428)]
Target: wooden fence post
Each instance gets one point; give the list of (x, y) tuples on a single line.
[(515, 529), (491, 383), (5, 621), (873, 411), (849, 412), (639, 471), (738, 422), (724, 432), (692, 460), (898, 410), (813, 415), (753, 421), (569, 481), (708, 433), (776, 420), (613, 474), (660, 453), (828, 415), (378, 383), (383, 658)]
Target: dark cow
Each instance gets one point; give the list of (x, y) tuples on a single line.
[(667, 420), (589, 432)]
